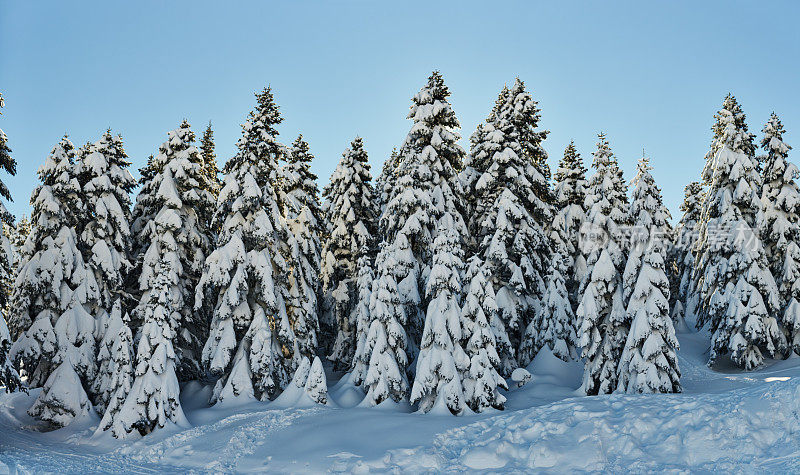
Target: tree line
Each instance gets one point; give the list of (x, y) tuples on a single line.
[(428, 286)]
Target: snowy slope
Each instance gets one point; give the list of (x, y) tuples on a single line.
[(725, 421)]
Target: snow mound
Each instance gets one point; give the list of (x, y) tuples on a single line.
[(729, 432), (520, 376)]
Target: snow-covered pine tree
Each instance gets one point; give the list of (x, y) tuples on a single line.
[(299, 188), (601, 312), (476, 163), (28, 303), (115, 369), (316, 387), (569, 196), (738, 295), (64, 394), (250, 345), (9, 378), (508, 191), (57, 346), (554, 326), (685, 236), (442, 362), (144, 208), (105, 238), (648, 363), (17, 235), (21, 231), (386, 339), (302, 212), (384, 184), (649, 219), (210, 167), (171, 333), (482, 382), (176, 231), (366, 276), (351, 212), (781, 198), (8, 165), (154, 398), (427, 188), (310, 379)]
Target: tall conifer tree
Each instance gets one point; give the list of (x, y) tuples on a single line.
[(738, 295), (53, 289), (105, 236), (427, 188), (303, 214), (569, 197), (648, 363), (602, 310), (508, 192), (351, 212), (251, 344), (685, 237), (9, 378), (210, 168), (442, 362), (781, 198)]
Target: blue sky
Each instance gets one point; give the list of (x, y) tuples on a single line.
[(649, 74)]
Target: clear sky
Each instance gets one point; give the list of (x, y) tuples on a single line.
[(649, 74)]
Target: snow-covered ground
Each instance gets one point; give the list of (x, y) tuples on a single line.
[(726, 420)]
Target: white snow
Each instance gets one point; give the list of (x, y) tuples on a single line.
[(725, 421)]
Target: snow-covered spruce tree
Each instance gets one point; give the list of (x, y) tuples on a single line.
[(144, 208), (176, 231), (17, 235), (299, 184), (210, 167), (386, 339), (316, 387), (507, 189), (351, 213), (8, 165), (601, 312), (300, 198), (648, 363), (171, 334), (309, 379), (37, 296), (250, 345), (738, 295), (10, 243), (385, 183), (105, 237), (115, 370), (683, 255), (143, 213), (479, 319), (781, 198), (64, 394), (442, 362), (366, 276), (154, 398), (569, 196), (53, 284), (427, 188), (9, 378), (649, 219), (20, 233), (554, 326)]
